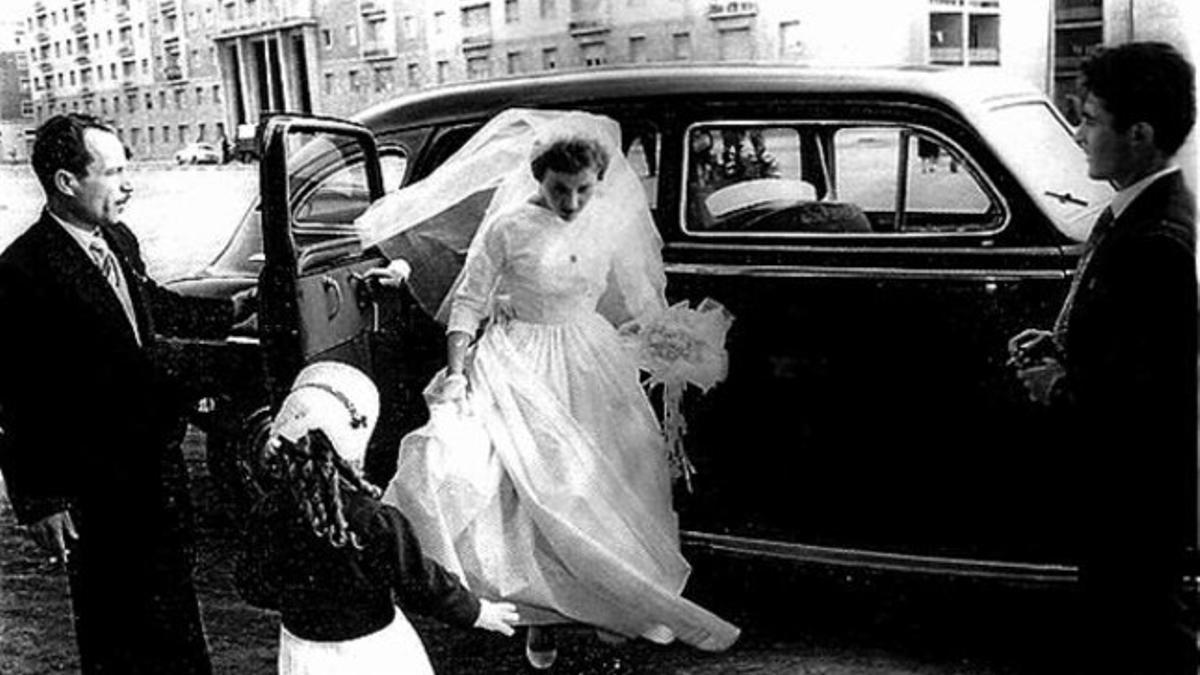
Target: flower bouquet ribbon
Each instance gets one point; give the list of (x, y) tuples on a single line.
[(677, 347)]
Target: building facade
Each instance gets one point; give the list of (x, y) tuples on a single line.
[(16, 101), (166, 72)]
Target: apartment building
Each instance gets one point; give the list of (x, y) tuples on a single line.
[(16, 103)]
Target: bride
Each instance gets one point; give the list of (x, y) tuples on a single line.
[(542, 476)]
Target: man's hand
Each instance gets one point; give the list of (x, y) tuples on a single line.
[(498, 617), (1027, 348), (392, 276), (245, 304), (1039, 379), (52, 532)]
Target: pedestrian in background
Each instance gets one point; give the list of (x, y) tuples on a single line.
[(93, 424), (1120, 365)]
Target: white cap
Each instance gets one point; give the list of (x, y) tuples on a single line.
[(336, 398)]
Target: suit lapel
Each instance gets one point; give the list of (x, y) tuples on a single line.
[(73, 269)]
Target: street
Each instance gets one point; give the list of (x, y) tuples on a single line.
[(793, 621)]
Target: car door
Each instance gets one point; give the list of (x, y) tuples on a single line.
[(868, 409), (317, 176)]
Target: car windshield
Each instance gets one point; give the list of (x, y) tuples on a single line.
[(1039, 147)]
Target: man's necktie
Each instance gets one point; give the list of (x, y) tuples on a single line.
[(1099, 231), (107, 262)]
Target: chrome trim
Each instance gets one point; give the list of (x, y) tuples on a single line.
[(881, 561), (969, 163), (242, 340), (818, 272)]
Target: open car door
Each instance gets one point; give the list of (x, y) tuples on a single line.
[(317, 176)]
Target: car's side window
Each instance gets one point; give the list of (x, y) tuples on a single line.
[(830, 178), (342, 195)]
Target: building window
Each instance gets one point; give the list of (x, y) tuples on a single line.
[(351, 35), (375, 32), (983, 39), (103, 106), (355, 83), (439, 22), (476, 18), (946, 38), (383, 78), (735, 45), (135, 136), (479, 67), (443, 71), (150, 135), (26, 108), (594, 54), (682, 46), (112, 71), (328, 83), (410, 28), (546, 8), (145, 66), (512, 11), (637, 49), (72, 77), (326, 38), (216, 92), (514, 62), (200, 133), (183, 133), (166, 134), (791, 44), (199, 95), (549, 58), (414, 75), (149, 101), (132, 102), (162, 100)]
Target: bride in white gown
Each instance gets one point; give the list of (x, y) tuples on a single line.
[(542, 477)]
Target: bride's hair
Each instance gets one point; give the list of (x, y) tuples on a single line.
[(569, 155), (315, 477)]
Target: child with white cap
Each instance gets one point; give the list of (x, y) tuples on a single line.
[(335, 561)]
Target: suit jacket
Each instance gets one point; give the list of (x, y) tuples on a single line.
[(1130, 355), (88, 415)]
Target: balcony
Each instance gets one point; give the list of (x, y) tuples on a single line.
[(732, 10), (86, 90), (268, 18), (39, 7), (378, 50), (984, 55), (589, 26), (946, 55), (129, 82), (126, 51), (1079, 14), (173, 72), (167, 6), (46, 66), (43, 36), (477, 38), (83, 59), (371, 8), (79, 27), (123, 16)]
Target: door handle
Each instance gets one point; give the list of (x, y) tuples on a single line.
[(990, 287), (329, 284)]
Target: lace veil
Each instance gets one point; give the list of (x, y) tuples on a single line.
[(497, 160)]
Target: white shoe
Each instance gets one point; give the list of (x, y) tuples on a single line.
[(540, 648)]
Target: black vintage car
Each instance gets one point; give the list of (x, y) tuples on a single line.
[(878, 235)]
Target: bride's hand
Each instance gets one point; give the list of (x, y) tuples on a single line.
[(454, 388)]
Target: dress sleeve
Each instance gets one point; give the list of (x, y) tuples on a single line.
[(481, 274), (421, 584)]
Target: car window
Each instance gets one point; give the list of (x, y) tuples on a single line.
[(830, 178), (342, 195)]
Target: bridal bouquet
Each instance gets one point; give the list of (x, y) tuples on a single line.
[(677, 347)]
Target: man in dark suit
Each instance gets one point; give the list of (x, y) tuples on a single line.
[(92, 425), (1121, 362)]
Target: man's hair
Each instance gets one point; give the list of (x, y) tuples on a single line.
[(1145, 82), (570, 155), (59, 145)]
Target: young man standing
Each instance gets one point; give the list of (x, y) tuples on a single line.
[(1121, 365)]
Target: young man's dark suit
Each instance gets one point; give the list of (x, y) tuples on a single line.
[(1129, 345), (92, 423)]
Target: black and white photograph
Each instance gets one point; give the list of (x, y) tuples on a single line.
[(599, 337)]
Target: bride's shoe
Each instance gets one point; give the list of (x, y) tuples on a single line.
[(540, 648)]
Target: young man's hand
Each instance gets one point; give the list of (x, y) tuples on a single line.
[(498, 617), (53, 532)]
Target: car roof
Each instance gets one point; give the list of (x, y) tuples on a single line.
[(958, 88)]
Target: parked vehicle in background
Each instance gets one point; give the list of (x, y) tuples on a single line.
[(868, 419), (199, 153), (245, 143)]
